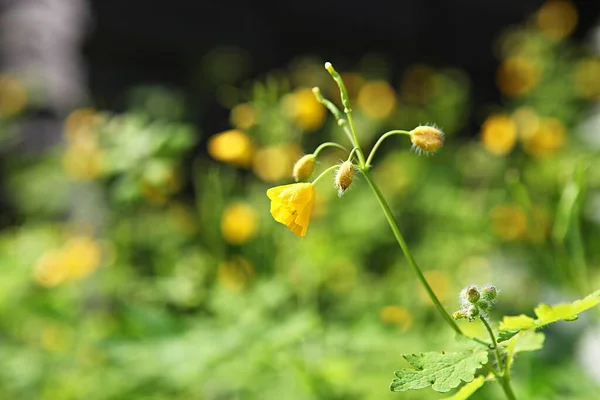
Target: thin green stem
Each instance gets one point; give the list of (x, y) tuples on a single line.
[(354, 149), (380, 140), (359, 153), (501, 374), (328, 144), (494, 343), (322, 174), (407, 254)]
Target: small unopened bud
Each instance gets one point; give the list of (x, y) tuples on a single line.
[(472, 312), (472, 294), (484, 305), (461, 314), (304, 167), (489, 293), (426, 139), (344, 177)]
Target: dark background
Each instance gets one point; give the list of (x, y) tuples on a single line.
[(140, 41)]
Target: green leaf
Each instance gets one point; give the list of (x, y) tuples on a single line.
[(524, 341), (503, 336), (442, 371), (548, 314), (467, 390)]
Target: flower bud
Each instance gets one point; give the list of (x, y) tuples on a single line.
[(304, 167), (472, 294), (344, 177), (461, 314), (484, 305), (426, 139), (489, 292), (472, 312)]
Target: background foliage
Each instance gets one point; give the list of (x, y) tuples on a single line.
[(133, 266)]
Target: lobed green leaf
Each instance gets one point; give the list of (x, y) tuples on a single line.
[(442, 371)]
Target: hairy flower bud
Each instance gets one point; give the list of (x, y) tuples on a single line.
[(426, 139), (472, 294), (344, 177), (472, 312), (304, 167), (489, 292)]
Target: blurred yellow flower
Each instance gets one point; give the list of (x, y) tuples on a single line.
[(50, 269), (517, 76), (376, 99), (292, 204), (557, 19), (395, 315), (232, 146), (274, 163), (243, 116), (235, 273), (547, 139), (509, 221), (303, 109), (75, 260), (239, 223), (80, 124), (82, 160), (13, 96), (587, 78), (499, 134)]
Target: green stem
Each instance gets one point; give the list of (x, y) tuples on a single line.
[(359, 153), (505, 383), (501, 375), (328, 144), (494, 343), (380, 140), (407, 254), (322, 174)]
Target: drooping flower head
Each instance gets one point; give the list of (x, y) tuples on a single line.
[(292, 204)]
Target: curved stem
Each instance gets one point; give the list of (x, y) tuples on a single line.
[(407, 254), (380, 140), (322, 174), (328, 144), (354, 149)]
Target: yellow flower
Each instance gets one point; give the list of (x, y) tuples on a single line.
[(517, 76), (557, 19), (499, 134), (292, 204), (394, 315), (239, 223), (304, 110), (232, 146)]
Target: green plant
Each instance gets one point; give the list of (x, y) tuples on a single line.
[(484, 361)]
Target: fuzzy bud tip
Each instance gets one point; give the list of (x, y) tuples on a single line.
[(489, 292), (344, 177), (426, 139)]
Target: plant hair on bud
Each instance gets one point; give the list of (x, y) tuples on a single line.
[(344, 177), (426, 139)]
